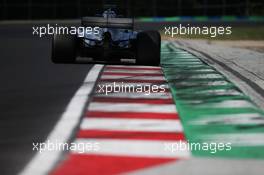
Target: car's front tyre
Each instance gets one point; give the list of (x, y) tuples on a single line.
[(148, 48), (64, 48)]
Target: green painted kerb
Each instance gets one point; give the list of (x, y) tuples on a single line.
[(214, 111), (202, 19)]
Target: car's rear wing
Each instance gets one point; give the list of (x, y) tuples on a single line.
[(124, 23)]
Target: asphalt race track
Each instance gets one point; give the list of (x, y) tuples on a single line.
[(33, 93), (129, 131)]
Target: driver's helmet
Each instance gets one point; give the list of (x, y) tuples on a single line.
[(109, 14)]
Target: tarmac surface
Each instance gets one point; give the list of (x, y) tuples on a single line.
[(243, 66), (33, 93)]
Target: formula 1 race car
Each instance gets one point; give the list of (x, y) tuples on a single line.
[(114, 42)]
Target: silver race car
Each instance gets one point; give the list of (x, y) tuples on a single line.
[(114, 42)]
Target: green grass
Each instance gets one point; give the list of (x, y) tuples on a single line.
[(238, 33)]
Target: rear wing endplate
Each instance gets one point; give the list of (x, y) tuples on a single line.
[(124, 23)]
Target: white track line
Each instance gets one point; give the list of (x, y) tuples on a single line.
[(232, 104), (237, 139), (43, 162), (122, 84), (131, 148), (127, 67), (232, 119), (129, 107), (148, 125), (135, 72), (135, 95), (126, 77)]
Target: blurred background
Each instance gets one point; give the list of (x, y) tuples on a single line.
[(70, 9)]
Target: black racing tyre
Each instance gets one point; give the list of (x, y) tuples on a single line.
[(148, 48), (64, 48)]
